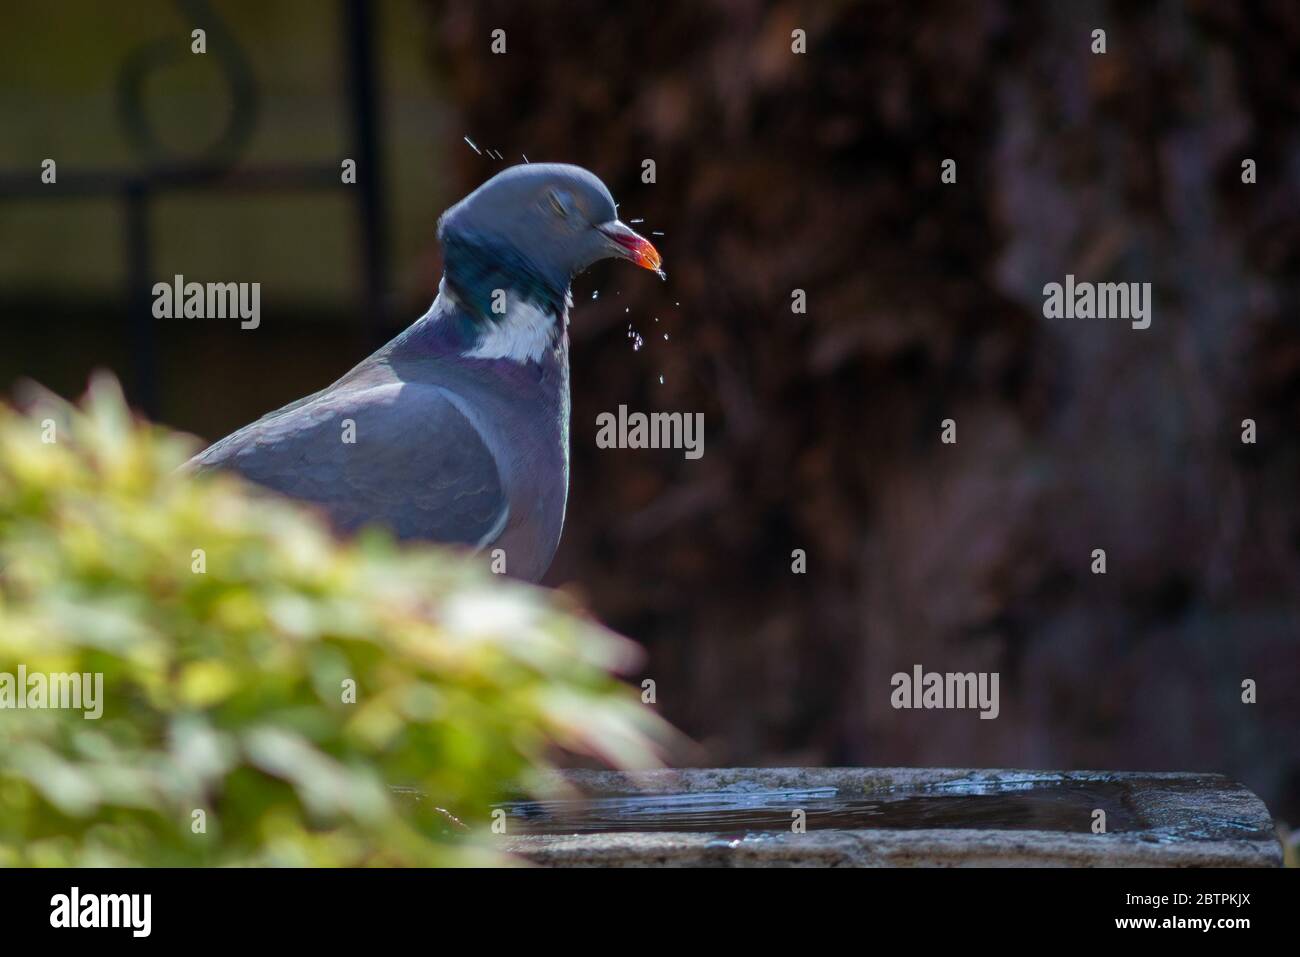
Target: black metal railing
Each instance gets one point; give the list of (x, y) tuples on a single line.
[(214, 169)]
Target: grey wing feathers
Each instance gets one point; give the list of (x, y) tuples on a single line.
[(417, 466)]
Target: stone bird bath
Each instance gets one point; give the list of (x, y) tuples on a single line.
[(895, 817)]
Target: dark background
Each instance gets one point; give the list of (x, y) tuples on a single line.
[(774, 172)]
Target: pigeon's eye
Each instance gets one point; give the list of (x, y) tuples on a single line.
[(557, 204)]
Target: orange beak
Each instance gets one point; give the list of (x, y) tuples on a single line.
[(631, 245)]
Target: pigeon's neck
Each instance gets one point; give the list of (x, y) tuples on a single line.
[(485, 276), (492, 304), (524, 334)]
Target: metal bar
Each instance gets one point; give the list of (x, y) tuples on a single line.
[(358, 30), (75, 184), (139, 270)]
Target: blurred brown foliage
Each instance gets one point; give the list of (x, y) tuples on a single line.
[(821, 172)]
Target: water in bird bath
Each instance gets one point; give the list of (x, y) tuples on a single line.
[(1052, 806), (1035, 803)]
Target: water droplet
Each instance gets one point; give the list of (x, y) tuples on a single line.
[(473, 147), (637, 342), (596, 294), (665, 337), (661, 380)]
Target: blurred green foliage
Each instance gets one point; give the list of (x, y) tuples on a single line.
[(225, 672)]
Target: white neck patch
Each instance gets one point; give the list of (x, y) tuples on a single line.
[(524, 334)]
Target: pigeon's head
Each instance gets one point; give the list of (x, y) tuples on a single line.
[(551, 220)]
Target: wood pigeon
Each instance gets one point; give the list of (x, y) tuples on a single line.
[(460, 425)]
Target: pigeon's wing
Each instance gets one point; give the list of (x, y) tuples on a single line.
[(400, 455)]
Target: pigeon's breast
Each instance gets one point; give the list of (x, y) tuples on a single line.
[(522, 412)]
